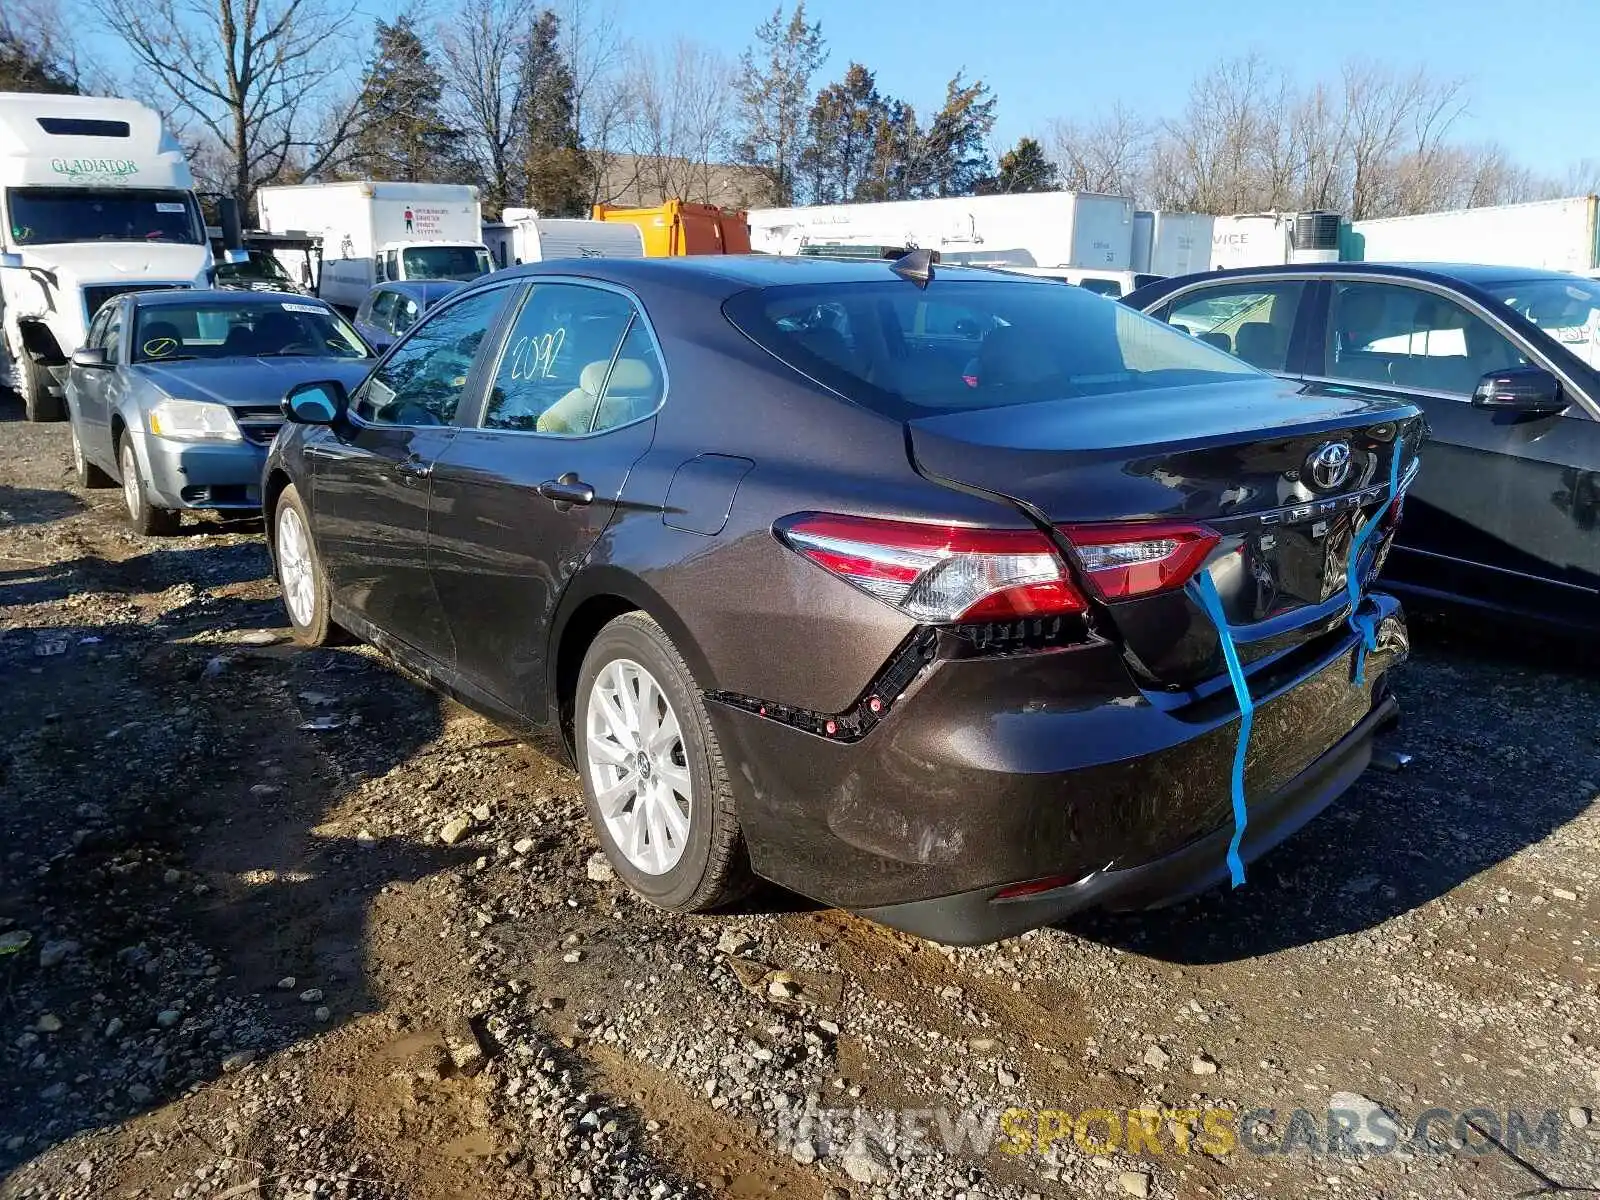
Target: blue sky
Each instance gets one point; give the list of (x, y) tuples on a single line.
[(1535, 80)]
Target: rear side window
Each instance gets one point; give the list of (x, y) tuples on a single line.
[(1252, 320), (967, 344), (579, 360)]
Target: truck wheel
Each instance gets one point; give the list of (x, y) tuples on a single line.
[(145, 517), (38, 404)]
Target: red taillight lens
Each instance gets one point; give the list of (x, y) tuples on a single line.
[(1140, 559), (939, 573)]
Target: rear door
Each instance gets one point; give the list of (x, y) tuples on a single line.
[(523, 493), (370, 475), (1504, 508)]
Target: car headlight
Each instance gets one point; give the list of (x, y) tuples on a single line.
[(194, 421)]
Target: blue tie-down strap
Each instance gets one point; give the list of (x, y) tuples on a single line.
[(1365, 624), (1205, 591)]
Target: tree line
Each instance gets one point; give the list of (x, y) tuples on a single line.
[(549, 105)]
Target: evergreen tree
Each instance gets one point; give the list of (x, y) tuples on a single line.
[(953, 160), (29, 58), (774, 80), (558, 175), (405, 138), (836, 163), (1023, 168)]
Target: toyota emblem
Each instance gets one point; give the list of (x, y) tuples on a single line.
[(1329, 465)]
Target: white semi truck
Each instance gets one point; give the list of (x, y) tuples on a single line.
[(95, 199), (1035, 229), (374, 232), (1552, 235)]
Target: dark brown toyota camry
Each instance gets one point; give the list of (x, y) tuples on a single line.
[(944, 596)]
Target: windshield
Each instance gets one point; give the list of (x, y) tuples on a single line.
[(261, 268), (41, 216), (1567, 309), (966, 344), (216, 329), (446, 262)]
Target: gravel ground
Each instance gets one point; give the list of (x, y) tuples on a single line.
[(277, 922)]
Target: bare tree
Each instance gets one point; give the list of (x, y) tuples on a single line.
[(261, 78), (1109, 154), (485, 90), (1583, 178), (1395, 125), (682, 119), (597, 58)]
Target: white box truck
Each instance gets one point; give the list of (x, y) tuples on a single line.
[(1171, 243), (532, 238), (1032, 229), (373, 232), (95, 199), (1552, 235)]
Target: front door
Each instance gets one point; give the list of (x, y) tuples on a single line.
[(370, 475), (1505, 506), (524, 493), (87, 387)]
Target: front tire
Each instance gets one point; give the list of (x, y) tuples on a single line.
[(88, 475), (299, 569), (147, 518), (653, 777), (38, 404)]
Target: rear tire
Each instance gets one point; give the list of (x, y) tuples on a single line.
[(88, 475), (299, 571), (654, 781), (38, 404), (145, 517)]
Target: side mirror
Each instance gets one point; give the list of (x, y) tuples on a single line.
[(91, 357), (1532, 391), (321, 403), (9, 261)]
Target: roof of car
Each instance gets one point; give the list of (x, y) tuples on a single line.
[(422, 288), (1470, 273), (735, 272), (218, 295)]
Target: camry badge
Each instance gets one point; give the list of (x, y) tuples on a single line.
[(1328, 465)]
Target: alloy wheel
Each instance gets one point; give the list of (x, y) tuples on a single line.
[(295, 572), (637, 766)]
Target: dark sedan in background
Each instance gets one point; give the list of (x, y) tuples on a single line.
[(804, 598), (1504, 362), (177, 394), (391, 309)]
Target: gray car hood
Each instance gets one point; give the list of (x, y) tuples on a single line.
[(247, 382)]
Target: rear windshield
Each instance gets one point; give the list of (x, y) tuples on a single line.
[(966, 344)]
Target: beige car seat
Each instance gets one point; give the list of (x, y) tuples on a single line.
[(632, 392)]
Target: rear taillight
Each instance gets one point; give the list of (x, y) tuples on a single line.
[(947, 573), (939, 573), (1126, 561)]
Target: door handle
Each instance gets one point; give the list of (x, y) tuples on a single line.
[(567, 491), (413, 468)]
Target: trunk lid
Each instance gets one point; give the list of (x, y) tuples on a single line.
[(1284, 478)]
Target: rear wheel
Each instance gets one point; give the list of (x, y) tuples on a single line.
[(89, 475), (305, 588), (147, 518), (653, 777), (38, 402)]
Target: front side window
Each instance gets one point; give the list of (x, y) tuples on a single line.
[(422, 381), (42, 216), (97, 329), (1253, 321), (445, 262), (113, 335), (1567, 309), (968, 344), (1404, 337), (287, 329), (579, 360)]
